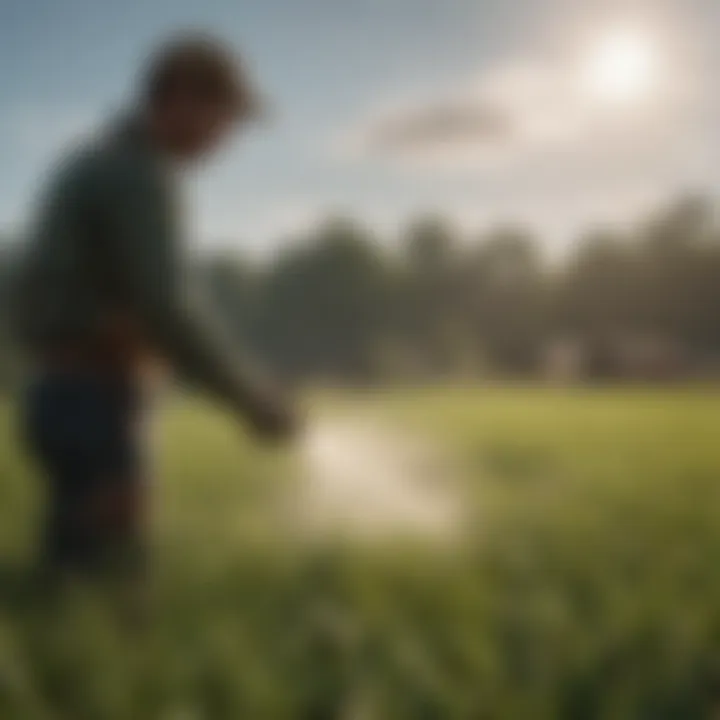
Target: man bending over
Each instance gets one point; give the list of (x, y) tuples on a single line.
[(104, 295)]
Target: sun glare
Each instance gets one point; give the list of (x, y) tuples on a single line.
[(622, 68)]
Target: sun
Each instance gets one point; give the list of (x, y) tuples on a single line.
[(621, 68)]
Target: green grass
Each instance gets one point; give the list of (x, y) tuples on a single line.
[(588, 586)]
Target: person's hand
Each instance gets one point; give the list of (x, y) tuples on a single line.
[(274, 418)]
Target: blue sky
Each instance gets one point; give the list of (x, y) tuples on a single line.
[(340, 71)]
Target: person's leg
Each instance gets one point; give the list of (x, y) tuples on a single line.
[(83, 430)]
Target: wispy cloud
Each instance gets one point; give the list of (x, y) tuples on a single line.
[(440, 124), (515, 112)]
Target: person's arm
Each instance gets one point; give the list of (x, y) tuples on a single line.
[(150, 252)]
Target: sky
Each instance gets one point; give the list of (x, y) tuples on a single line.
[(486, 111)]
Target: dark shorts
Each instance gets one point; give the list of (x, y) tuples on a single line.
[(85, 432)]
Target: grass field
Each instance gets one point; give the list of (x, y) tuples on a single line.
[(584, 582)]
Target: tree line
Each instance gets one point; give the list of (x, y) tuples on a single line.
[(342, 304)]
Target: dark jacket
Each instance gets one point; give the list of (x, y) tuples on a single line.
[(105, 266)]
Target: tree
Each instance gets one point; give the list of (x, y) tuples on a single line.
[(232, 285), (506, 291), (434, 324), (323, 308)]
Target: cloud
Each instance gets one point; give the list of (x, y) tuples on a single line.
[(483, 120), (516, 112), (440, 124)]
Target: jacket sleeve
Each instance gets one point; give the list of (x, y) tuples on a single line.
[(152, 266)]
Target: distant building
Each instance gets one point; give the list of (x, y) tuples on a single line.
[(640, 358)]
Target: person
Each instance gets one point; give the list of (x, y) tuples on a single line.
[(104, 297)]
